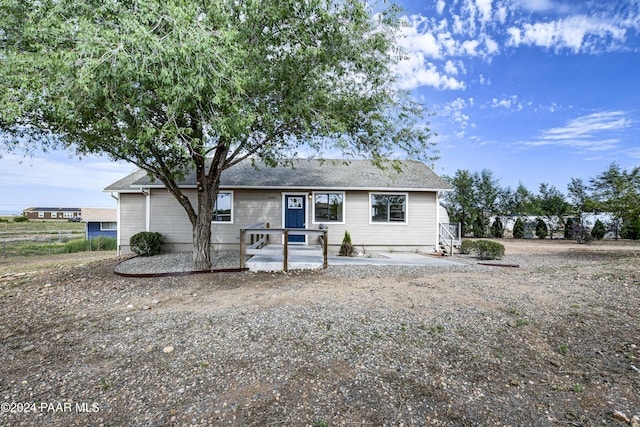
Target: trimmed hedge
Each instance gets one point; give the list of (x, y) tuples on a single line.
[(146, 243)]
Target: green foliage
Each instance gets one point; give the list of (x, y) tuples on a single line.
[(98, 244), (483, 249), (541, 229), (568, 228), (467, 246), (518, 229), (631, 229), (346, 248), (20, 218), (177, 86), (487, 249), (618, 192), (480, 226), (146, 243), (598, 231), (497, 229)]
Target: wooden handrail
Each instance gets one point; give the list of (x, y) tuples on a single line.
[(263, 233)]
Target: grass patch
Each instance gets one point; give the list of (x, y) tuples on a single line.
[(34, 248)]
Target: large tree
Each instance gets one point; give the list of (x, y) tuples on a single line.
[(551, 204), (617, 191), (179, 85)]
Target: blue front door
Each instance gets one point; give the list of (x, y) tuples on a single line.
[(294, 210)]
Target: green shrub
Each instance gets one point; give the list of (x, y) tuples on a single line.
[(518, 229), (483, 249), (497, 229), (20, 219), (598, 230), (467, 246), (568, 228), (487, 249), (631, 229), (146, 243), (541, 229), (346, 248)]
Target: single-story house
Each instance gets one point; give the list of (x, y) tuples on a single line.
[(381, 209), (100, 222), (56, 214)]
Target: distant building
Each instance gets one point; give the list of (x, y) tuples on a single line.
[(100, 222), (52, 214)]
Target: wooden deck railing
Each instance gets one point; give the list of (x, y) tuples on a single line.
[(259, 238)]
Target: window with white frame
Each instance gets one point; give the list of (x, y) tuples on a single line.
[(390, 208), (328, 207), (54, 214), (67, 214), (40, 214), (223, 207), (108, 226)]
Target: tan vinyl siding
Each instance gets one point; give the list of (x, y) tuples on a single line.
[(265, 206), (132, 213), (249, 207), (419, 230), (169, 218)]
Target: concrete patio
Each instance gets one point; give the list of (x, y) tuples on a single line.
[(310, 257)]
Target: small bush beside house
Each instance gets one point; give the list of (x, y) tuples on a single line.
[(346, 248), (146, 243)]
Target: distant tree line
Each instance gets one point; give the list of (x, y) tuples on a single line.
[(482, 206)]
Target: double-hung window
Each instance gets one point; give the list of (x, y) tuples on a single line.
[(223, 207), (328, 207), (389, 208)]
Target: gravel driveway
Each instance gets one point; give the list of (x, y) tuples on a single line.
[(553, 342)]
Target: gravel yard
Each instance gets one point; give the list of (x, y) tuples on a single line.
[(553, 342)]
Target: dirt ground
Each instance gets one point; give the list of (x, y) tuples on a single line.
[(555, 341)]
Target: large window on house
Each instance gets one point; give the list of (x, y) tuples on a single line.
[(108, 226), (388, 208), (223, 207), (328, 207)]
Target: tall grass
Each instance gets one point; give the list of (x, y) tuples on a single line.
[(31, 248)]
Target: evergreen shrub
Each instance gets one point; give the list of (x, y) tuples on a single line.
[(346, 248), (598, 230), (518, 229), (146, 243)]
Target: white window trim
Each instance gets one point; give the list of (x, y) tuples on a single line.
[(344, 207), (390, 193), (54, 215), (40, 214), (232, 207), (108, 229)]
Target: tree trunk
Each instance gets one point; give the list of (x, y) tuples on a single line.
[(207, 187), (202, 233)]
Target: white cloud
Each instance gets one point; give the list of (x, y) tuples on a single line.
[(507, 103), (578, 33), (450, 68), (592, 132), (415, 72), (484, 9), (482, 29)]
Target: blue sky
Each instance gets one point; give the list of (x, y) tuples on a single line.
[(535, 90)]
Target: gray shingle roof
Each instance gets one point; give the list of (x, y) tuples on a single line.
[(311, 174)]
